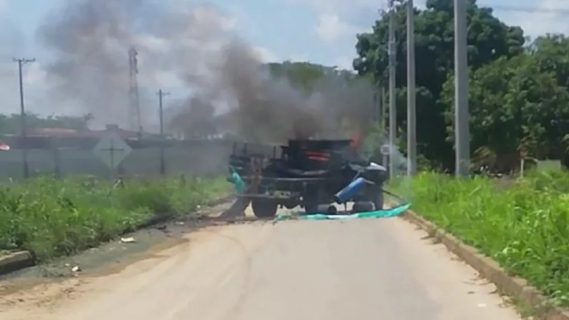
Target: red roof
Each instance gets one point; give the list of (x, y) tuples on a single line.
[(4, 147), (52, 132), (64, 132)]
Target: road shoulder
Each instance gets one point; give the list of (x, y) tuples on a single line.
[(530, 300)]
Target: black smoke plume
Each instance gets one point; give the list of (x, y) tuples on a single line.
[(196, 45)]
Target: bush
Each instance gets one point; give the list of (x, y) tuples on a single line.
[(52, 217), (524, 227)]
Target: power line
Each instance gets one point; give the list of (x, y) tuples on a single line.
[(538, 10), (556, 11)]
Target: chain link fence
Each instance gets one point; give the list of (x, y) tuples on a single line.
[(77, 156)]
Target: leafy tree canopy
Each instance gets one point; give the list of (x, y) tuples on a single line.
[(489, 39), (521, 103)]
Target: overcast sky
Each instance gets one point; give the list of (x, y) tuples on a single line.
[(321, 31)]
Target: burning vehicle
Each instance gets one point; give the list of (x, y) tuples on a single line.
[(308, 174)]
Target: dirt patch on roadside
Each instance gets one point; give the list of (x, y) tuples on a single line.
[(66, 274)]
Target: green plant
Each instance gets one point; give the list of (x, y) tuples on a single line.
[(53, 217), (524, 227)]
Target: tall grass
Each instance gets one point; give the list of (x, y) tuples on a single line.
[(524, 226), (53, 217)]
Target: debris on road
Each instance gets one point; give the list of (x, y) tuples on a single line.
[(76, 269), (128, 240)]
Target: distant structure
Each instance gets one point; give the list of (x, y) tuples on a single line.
[(62, 133), (134, 107)]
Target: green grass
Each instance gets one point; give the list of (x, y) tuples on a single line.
[(53, 217), (525, 227)]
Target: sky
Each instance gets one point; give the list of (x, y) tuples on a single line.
[(321, 31)]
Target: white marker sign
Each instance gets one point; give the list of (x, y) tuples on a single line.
[(112, 150)]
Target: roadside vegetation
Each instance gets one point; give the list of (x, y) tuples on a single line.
[(52, 217), (524, 226), (518, 91)]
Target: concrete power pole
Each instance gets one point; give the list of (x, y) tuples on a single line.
[(383, 125), (392, 105), (161, 95), (462, 131), (26, 170), (383, 112), (411, 93)]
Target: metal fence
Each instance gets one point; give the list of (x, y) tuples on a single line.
[(69, 157)]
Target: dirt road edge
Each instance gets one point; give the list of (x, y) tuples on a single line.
[(15, 261), (515, 287), (23, 259)]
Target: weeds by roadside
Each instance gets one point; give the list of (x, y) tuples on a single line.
[(53, 217), (524, 227)]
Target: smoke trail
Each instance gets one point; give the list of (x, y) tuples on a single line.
[(196, 43), (90, 41), (266, 109), (269, 109)]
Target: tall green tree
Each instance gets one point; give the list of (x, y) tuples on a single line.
[(302, 75), (308, 76), (488, 40), (552, 54), (515, 104)]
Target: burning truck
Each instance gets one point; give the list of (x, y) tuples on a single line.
[(305, 173)]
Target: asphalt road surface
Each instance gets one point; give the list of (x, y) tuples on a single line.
[(373, 269)]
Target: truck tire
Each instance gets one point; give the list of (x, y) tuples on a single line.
[(363, 206), (310, 200), (311, 207), (264, 208), (375, 195), (378, 200)]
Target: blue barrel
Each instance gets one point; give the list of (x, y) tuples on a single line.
[(348, 192)]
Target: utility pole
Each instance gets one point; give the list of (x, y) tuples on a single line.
[(377, 106), (392, 105), (411, 93), (462, 131), (383, 111), (23, 128), (161, 95), (385, 159)]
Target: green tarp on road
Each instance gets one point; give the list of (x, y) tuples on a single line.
[(389, 213)]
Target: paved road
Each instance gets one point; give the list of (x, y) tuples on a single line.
[(380, 269)]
